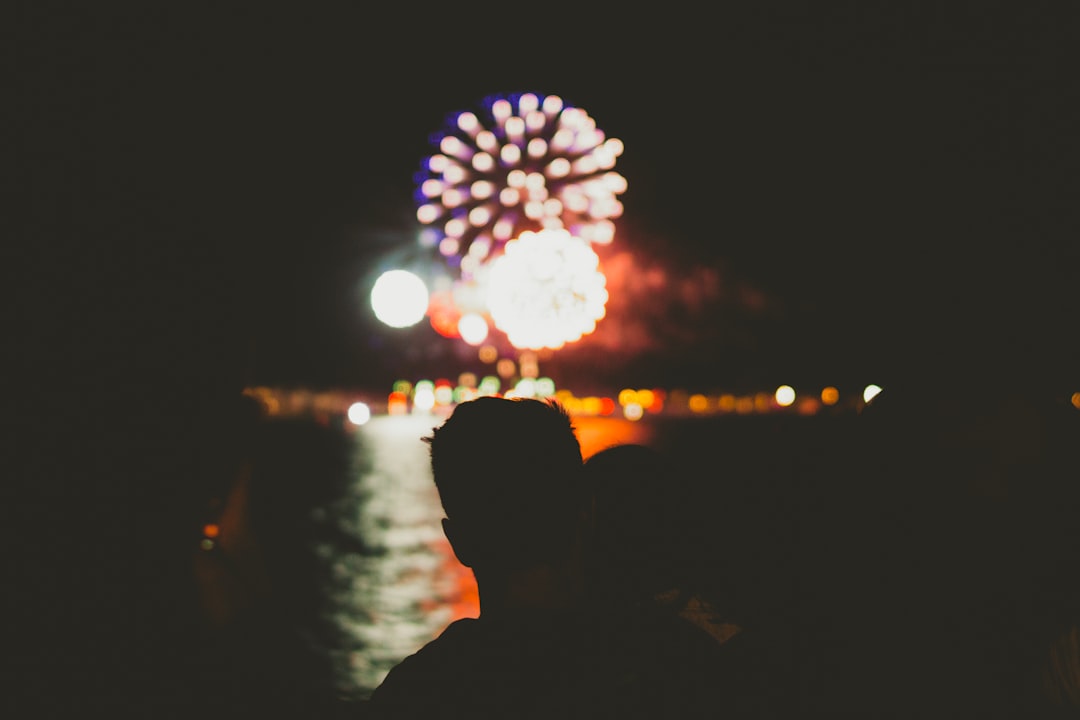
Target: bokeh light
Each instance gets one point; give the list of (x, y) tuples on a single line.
[(359, 413), (869, 392), (399, 298), (473, 328), (423, 396), (546, 290), (784, 395)]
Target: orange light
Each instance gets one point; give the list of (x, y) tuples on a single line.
[(445, 321), (211, 530), (830, 395), (1076, 400), (397, 403)]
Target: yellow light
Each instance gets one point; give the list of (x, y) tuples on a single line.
[(506, 368), (698, 403), (830, 395), (633, 411), (785, 395), (627, 396)]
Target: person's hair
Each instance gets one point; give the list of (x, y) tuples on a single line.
[(509, 471), (638, 519)]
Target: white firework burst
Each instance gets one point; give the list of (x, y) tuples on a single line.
[(546, 290), (537, 164)]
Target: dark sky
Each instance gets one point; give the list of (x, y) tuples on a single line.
[(817, 193)]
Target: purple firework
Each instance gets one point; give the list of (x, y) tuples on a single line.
[(533, 163)]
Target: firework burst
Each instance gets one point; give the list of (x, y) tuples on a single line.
[(532, 163), (546, 290)]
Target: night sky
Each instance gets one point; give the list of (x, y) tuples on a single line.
[(199, 196), (815, 195)]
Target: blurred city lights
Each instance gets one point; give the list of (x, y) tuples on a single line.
[(869, 392), (399, 298), (784, 395), (543, 387), (489, 385), (830, 395), (423, 396), (440, 395), (359, 413), (473, 328), (397, 403)]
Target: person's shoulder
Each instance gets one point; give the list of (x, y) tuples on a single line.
[(419, 675)]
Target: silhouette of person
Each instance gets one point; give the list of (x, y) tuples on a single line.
[(963, 596), (667, 647), (267, 648), (508, 473)]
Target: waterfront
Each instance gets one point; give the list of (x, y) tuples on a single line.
[(405, 585), (390, 581)]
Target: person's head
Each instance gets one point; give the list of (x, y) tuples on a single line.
[(636, 537), (508, 473)]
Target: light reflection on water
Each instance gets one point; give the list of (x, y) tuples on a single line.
[(407, 585)]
